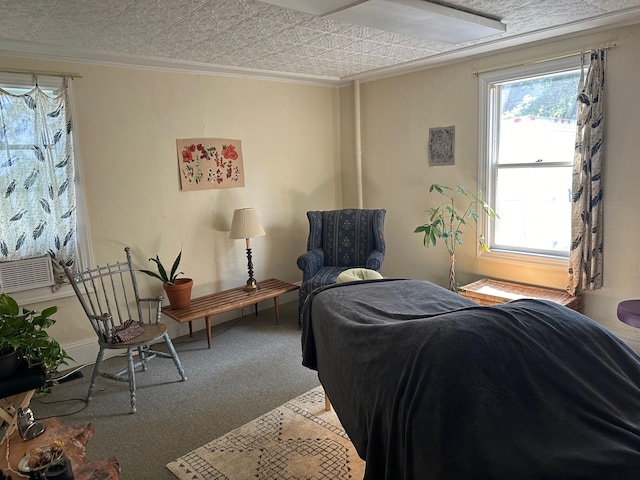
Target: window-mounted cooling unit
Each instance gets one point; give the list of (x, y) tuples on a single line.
[(26, 274)]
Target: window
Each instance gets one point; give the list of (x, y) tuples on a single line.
[(528, 115), (43, 208)]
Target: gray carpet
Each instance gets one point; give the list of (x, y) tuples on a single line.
[(253, 367)]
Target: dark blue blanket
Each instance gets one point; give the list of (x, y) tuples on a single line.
[(430, 385)]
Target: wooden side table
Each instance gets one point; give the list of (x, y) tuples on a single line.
[(75, 438), (494, 292), (227, 300)]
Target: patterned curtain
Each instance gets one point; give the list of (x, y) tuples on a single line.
[(37, 176), (585, 258)]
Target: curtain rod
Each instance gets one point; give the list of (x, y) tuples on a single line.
[(591, 50), (44, 74)]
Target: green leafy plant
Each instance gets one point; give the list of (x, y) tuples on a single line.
[(446, 222), (26, 333), (167, 279)]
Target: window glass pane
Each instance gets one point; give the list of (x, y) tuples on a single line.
[(534, 205), (536, 140), (538, 119)]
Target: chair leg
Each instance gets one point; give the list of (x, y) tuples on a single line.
[(174, 356), (132, 380), (94, 375), (143, 358), (327, 403)]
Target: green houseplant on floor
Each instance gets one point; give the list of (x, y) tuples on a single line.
[(178, 289), (445, 221), (25, 336)]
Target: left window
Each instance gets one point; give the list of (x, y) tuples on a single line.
[(42, 205)]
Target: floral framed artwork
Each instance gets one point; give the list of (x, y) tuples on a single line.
[(206, 163), (442, 142)]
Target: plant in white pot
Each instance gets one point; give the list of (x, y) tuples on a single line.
[(178, 289), (445, 222)]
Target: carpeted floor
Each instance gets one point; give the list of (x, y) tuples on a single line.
[(298, 440), (253, 367)]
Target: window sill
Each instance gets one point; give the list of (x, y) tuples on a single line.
[(39, 295), (544, 261)]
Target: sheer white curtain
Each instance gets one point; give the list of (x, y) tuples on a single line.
[(585, 258), (37, 175)]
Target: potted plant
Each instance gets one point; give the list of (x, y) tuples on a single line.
[(24, 335), (178, 289), (445, 222)]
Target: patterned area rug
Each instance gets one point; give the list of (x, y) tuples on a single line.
[(298, 440)]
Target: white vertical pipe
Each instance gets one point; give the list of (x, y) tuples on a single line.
[(358, 140)]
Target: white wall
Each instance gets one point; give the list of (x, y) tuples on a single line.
[(127, 124), (397, 113)]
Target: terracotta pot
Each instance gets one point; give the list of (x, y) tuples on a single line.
[(179, 293), (8, 363)]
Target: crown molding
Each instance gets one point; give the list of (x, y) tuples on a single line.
[(15, 48)]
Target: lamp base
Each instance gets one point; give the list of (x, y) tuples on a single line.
[(251, 285)]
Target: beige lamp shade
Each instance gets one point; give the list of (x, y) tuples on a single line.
[(245, 224)]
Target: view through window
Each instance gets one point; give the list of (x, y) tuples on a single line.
[(531, 129)]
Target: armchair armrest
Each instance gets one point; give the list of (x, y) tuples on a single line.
[(374, 261), (310, 262)]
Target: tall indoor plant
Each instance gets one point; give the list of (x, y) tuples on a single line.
[(178, 289), (25, 336), (445, 222)]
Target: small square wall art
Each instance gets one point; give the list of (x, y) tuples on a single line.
[(442, 141), (206, 163)]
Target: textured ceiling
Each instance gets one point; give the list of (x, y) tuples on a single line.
[(250, 37)]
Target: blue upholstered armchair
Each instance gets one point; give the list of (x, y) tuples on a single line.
[(340, 240)]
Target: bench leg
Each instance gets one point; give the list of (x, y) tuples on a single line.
[(277, 308), (207, 321)]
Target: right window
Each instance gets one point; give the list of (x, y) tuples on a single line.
[(528, 130)]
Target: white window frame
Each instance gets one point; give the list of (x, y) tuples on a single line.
[(45, 294), (487, 147)]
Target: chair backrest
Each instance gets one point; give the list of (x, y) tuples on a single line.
[(109, 296), (347, 236)]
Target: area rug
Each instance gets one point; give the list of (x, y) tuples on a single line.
[(298, 440)]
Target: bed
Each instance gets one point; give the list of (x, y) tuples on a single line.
[(428, 384)]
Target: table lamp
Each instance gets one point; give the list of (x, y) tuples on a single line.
[(245, 224)]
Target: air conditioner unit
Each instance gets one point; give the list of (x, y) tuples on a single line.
[(26, 274)]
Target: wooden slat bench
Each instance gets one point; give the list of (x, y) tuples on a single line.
[(227, 300)]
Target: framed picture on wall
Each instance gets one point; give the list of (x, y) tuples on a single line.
[(442, 146), (206, 163)]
